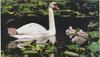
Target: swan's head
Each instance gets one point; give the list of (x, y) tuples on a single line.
[(53, 5)]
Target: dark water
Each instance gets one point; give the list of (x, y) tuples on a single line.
[(62, 23)]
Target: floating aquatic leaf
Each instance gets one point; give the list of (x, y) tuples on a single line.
[(70, 53), (82, 55), (94, 34), (94, 47), (72, 46)]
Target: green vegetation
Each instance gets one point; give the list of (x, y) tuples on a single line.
[(92, 49), (68, 8), (33, 7)]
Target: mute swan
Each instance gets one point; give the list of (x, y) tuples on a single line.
[(34, 31)]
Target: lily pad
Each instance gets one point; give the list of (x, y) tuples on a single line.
[(94, 47), (94, 34), (72, 46)]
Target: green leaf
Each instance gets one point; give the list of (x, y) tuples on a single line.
[(2, 54), (94, 47), (92, 55), (30, 51), (70, 53), (94, 34), (82, 55), (25, 55), (72, 46)]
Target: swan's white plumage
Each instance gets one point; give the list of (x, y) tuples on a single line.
[(34, 31)]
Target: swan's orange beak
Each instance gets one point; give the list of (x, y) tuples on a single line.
[(56, 7)]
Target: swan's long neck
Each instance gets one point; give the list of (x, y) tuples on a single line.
[(52, 29)]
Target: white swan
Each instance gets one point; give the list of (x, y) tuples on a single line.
[(34, 31)]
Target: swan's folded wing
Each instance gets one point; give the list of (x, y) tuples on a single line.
[(32, 29)]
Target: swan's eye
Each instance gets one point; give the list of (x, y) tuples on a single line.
[(55, 7), (55, 4)]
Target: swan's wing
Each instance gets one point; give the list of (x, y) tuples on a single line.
[(32, 29)]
